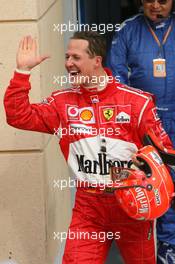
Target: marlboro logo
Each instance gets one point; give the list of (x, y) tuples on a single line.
[(101, 165)]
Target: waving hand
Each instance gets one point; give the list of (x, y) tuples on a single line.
[(27, 56)]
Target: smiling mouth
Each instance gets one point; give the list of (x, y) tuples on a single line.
[(156, 15), (74, 73), (155, 12)]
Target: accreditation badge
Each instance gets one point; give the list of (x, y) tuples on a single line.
[(159, 67)]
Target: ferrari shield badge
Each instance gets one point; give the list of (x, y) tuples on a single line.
[(108, 113)]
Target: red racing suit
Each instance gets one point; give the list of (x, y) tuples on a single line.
[(96, 129)]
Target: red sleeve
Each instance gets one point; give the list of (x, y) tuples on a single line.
[(150, 119), (21, 114)]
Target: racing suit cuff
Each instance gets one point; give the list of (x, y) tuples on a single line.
[(22, 71), (20, 78)]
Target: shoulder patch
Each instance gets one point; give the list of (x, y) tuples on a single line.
[(47, 101)]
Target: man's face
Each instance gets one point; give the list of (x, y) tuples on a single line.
[(153, 9), (79, 64)]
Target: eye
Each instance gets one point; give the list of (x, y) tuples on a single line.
[(76, 57)]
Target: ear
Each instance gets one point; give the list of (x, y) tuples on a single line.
[(98, 61)]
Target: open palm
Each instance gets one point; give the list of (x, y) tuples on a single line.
[(27, 56)]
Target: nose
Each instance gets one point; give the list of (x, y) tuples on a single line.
[(69, 62), (156, 4)]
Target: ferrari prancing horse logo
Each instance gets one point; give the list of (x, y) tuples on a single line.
[(108, 113)]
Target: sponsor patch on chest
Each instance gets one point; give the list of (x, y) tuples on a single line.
[(115, 114), (123, 114), (84, 114)]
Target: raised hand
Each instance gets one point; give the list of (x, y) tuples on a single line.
[(27, 57)]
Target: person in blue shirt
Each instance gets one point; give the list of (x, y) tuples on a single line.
[(142, 55)]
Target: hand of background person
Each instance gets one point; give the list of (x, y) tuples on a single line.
[(27, 57)]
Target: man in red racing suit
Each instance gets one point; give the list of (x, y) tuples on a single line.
[(98, 125)]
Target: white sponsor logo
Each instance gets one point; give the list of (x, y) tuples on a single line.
[(157, 197), (156, 158), (79, 128), (123, 117), (155, 114)]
